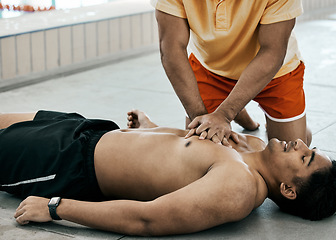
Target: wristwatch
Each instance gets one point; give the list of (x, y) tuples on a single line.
[(53, 204)]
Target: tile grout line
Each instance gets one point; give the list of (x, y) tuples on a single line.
[(324, 128)]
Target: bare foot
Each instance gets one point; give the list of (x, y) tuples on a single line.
[(244, 120), (139, 119)]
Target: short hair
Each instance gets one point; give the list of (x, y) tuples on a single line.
[(316, 196)]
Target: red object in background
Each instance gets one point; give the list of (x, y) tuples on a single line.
[(26, 8)]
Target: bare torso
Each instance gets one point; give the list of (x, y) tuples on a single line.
[(143, 165)]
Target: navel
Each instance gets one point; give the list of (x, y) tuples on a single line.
[(187, 144)]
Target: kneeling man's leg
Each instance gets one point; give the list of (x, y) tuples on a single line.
[(289, 131), (284, 104)]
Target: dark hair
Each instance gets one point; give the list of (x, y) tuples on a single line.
[(316, 197)]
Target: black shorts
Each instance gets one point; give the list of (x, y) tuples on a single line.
[(53, 155)]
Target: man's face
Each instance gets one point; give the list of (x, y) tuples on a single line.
[(295, 159)]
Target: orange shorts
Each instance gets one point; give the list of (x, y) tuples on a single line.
[(282, 100)]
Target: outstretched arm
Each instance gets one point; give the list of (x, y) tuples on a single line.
[(198, 206)]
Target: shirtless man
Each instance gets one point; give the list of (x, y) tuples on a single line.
[(172, 185)]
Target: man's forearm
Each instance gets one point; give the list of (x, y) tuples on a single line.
[(254, 78), (182, 78), (174, 34), (121, 216)]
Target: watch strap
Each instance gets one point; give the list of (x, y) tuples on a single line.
[(53, 214), (52, 211)]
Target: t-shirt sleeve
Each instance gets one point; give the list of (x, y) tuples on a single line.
[(281, 10), (172, 7)]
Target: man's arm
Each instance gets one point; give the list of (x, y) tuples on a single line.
[(273, 39), (210, 201), (175, 131), (139, 121), (174, 33), (8, 119)]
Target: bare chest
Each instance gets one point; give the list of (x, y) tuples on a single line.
[(153, 167)]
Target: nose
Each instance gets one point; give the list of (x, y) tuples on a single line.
[(300, 145)]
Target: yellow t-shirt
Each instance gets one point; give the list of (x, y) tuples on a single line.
[(224, 33)]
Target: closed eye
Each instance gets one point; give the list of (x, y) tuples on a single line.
[(312, 158)]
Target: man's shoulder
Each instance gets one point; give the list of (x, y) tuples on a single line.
[(236, 174), (236, 190)]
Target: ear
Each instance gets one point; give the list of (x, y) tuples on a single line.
[(287, 191)]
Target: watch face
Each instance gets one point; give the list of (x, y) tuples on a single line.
[(54, 201)]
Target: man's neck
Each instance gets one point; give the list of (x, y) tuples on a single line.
[(254, 160), (258, 167)]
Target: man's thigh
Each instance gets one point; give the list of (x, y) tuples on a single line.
[(289, 131), (283, 102), (283, 99)]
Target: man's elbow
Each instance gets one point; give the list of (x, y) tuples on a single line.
[(163, 227), (172, 48), (273, 61), (278, 61), (139, 228), (280, 55), (170, 53), (146, 226)]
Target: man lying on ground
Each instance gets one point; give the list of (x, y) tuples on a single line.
[(152, 180)]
